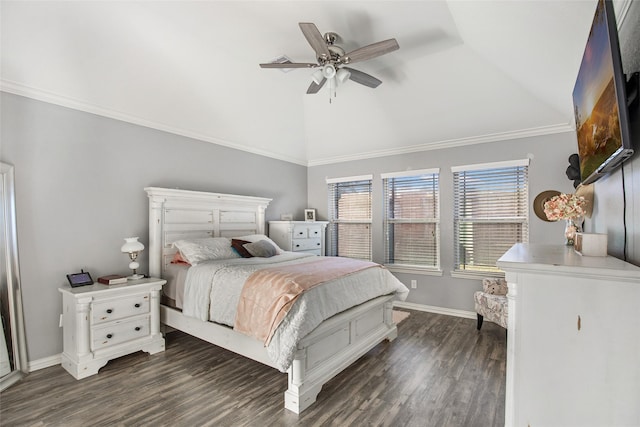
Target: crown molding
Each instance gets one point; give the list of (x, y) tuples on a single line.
[(64, 101), (75, 104), (450, 143)]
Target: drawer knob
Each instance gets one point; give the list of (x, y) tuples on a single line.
[(137, 305), (138, 328), (109, 336), (317, 244), (109, 310), (297, 246)]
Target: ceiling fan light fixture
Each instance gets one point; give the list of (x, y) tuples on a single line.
[(328, 71), (317, 76), (343, 75)]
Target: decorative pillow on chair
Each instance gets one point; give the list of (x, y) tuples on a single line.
[(495, 286), (261, 248), (197, 250)]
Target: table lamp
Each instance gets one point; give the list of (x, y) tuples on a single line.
[(133, 248)]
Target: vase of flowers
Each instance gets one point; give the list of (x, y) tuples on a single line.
[(569, 207)]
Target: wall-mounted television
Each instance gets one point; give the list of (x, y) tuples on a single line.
[(600, 101)]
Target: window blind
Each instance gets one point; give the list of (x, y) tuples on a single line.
[(350, 219), (490, 214), (411, 219)]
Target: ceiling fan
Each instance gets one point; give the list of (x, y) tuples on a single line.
[(332, 59)]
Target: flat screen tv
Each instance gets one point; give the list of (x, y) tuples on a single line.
[(599, 100)]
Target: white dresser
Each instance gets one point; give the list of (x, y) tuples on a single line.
[(104, 322), (573, 346), (299, 236)]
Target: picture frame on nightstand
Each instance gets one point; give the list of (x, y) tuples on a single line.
[(310, 215)]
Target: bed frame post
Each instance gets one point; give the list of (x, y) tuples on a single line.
[(155, 235), (299, 396)]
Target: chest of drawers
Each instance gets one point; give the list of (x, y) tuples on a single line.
[(299, 236), (104, 322)]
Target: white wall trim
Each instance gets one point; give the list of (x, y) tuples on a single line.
[(46, 362), (459, 142), (437, 310), (75, 104)]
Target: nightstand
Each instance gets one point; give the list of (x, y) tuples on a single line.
[(103, 322), (299, 236)]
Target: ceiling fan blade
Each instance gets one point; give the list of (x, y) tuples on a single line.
[(363, 78), (372, 51), (288, 65), (314, 88), (315, 39)]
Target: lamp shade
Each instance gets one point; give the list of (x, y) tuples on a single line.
[(317, 76), (328, 71), (342, 75), (132, 245)]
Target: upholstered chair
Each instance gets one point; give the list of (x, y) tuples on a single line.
[(491, 302)]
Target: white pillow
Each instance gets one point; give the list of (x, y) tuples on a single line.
[(195, 251), (255, 237)]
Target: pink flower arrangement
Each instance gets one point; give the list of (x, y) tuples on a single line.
[(564, 206)]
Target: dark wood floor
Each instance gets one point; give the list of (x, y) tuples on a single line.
[(440, 371)]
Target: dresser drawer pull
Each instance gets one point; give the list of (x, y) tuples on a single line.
[(137, 305), (109, 336), (318, 244), (297, 246), (137, 328), (109, 310)]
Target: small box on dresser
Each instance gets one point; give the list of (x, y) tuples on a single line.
[(591, 244), (102, 322), (299, 236)]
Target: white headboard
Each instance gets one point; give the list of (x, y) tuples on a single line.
[(183, 214)]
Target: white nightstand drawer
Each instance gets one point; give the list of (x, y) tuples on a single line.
[(118, 308), (305, 244), (118, 332)]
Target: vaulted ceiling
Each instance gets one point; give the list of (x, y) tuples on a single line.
[(466, 71)]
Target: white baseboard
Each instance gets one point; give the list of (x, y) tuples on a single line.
[(46, 362), (434, 309)]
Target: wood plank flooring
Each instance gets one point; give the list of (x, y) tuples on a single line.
[(440, 371)]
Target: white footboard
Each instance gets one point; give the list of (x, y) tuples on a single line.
[(321, 355), (333, 346)]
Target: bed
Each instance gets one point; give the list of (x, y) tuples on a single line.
[(316, 356)]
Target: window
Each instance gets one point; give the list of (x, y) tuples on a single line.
[(490, 213), (412, 219), (350, 217)]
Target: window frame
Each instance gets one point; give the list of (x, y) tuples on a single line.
[(333, 210), (521, 171), (388, 180)]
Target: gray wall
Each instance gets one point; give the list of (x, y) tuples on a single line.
[(79, 190), (546, 172)]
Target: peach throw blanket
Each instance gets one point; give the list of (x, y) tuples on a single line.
[(268, 294)]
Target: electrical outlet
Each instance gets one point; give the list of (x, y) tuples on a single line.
[(414, 284)]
